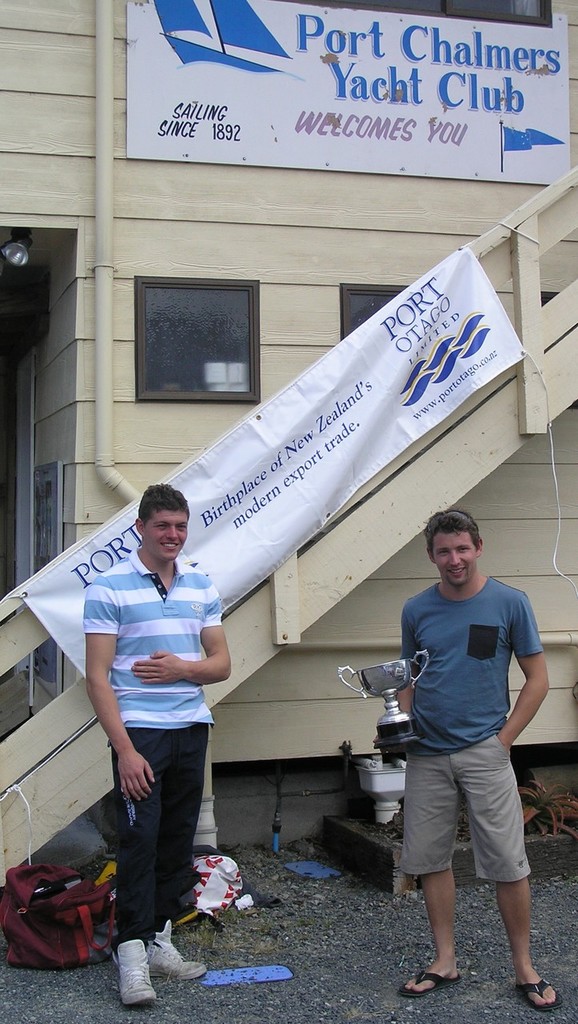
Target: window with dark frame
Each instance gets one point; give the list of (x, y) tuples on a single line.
[(359, 302), (538, 12), (196, 340)]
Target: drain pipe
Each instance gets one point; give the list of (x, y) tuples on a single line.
[(104, 322), (345, 749), (104, 268), (276, 826), (206, 832)]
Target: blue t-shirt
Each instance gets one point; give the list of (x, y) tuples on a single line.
[(462, 697)]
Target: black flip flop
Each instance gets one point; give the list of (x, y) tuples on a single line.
[(438, 982), (538, 988)]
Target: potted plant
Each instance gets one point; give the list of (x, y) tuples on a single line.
[(551, 825), (548, 809)]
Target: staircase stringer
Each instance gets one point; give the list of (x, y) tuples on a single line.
[(56, 785)]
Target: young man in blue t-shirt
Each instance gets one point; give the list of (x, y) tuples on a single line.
[(148, 620), (470, 625)]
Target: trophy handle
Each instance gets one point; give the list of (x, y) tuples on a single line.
[(356, 689), (421, 661)]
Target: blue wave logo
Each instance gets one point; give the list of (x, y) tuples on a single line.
[(442, 359), (228, 32)]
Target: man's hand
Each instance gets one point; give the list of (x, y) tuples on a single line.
[(161, 667), (504, 742), (136, 775)]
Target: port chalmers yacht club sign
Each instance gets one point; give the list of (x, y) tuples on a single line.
[(269, 485), (284, 84)]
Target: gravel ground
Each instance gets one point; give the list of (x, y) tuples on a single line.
[(348, 945)]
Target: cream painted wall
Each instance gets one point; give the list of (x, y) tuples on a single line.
[(298, 698), (224, 222), (301, 234)]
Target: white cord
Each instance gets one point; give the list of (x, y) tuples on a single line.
[(559, 526), (16, 789), (530, 238), (555, 478)]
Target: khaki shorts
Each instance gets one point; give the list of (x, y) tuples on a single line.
[(433, 789)]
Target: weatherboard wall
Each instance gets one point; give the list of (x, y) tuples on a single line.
[(301, 234)]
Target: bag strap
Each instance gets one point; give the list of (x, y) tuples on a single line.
[(88, 927)]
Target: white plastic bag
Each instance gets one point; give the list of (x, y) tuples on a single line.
[(219, 884)]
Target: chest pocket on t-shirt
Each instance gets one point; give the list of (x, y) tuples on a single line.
[(482, 642)]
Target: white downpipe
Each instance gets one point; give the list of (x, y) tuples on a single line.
[(104, 266), (206, 834), (103, 291)]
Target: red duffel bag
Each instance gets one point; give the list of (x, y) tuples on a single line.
[(52, 917)]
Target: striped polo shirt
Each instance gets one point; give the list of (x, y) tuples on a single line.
[(124, 601)]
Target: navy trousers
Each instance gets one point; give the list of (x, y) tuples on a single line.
[(155, 835)]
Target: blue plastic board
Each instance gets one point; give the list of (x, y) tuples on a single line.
[(312, 869), (247, 975)]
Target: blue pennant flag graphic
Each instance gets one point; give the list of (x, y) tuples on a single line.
[(517, 140)]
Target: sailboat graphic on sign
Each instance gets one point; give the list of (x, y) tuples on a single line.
[(224, 33)]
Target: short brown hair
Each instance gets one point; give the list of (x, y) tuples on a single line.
[(452, 520), (162, 498)]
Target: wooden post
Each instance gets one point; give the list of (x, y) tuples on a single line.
[(532, 394), (285, 615)]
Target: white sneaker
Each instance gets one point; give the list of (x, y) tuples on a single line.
[(133, 971), (166, 962)]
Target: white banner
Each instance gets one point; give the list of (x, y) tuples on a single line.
[(271, 484), (256, 83)]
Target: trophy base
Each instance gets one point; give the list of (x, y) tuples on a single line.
[(394, 736)]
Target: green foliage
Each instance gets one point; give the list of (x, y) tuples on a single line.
[(548, 810)]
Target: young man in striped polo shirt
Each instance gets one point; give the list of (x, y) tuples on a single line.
[(148, 621)]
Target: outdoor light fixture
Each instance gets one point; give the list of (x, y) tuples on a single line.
[(15, 251)]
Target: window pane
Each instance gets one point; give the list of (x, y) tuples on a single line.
[(507, 10), (525, 8), (404, 5), (194, 339), (358, 304)]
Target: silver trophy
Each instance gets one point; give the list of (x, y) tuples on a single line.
[(395, 728)]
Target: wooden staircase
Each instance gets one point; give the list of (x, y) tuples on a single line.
[(56, 765)]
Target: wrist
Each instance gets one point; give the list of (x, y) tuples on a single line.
[(123, 747), (504, 739)]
